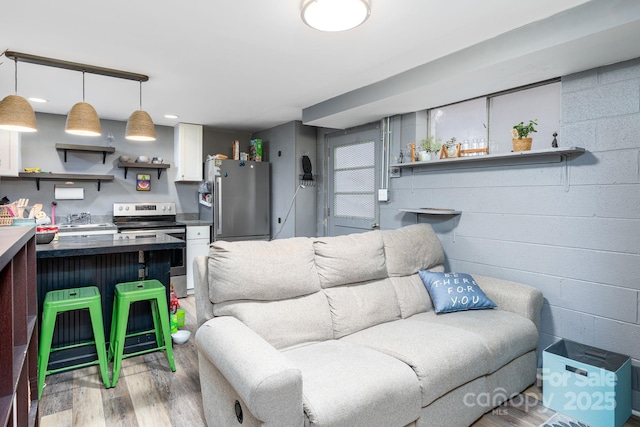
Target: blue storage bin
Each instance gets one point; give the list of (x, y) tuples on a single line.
[(587, 383)]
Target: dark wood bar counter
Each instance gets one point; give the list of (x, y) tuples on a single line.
[(102, 261)]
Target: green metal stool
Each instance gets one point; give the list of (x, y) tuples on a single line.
[(67, 300), (125, 295)]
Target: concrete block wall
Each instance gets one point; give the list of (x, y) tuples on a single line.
[(572, 230)]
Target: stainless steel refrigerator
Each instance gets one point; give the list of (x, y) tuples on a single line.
[(235, 198)]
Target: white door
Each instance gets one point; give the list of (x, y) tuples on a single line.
[(354, 164)]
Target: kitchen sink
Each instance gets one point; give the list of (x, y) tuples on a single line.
[(80, 226), (86, 229)]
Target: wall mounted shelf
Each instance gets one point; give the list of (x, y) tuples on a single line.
[(135, 165), (547, 155), (64, 177), (430, 211), (86, 148)]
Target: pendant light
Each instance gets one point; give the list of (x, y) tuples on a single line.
[(335, 15), (83, 118), (140, 126), (16, 113)]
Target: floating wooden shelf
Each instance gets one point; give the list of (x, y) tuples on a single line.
[(431, 211), (137, 165), (89, 148), (550, 155), (64, 177)]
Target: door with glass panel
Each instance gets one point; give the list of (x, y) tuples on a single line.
[(354, 164)]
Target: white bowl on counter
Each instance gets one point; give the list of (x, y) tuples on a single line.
[(125, 158), (142, 159)]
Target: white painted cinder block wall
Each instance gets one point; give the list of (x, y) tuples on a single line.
[(578, 240)]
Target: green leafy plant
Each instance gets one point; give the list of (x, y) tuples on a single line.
[(521, 130), (430, 144), (450, 142)]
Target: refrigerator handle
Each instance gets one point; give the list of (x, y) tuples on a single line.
[(219, 192)]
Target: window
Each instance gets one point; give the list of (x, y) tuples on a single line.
[(541, 103), (491, 118), (465, 121)]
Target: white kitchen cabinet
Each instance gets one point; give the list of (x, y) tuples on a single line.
[(197, 245), (10, 158), (187, 149)]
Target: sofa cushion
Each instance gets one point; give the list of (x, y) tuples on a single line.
[(359, 306), (349, 385), (411, 248), (350, 259), (506, 335), (442, 356), (413, 297), (454, 292), (285, 323), (259, 270)]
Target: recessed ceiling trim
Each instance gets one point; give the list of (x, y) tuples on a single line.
[(75, 66)]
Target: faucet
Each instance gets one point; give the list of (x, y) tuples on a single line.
[(79, 218)]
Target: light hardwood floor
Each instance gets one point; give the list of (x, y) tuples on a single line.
[(149, 394)]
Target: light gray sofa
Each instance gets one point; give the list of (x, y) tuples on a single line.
[(340, 331)]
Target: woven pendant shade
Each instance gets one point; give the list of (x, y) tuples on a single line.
[(83, 120), (16, 114), (140, 127)]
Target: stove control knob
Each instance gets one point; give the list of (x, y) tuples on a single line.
[(119, 208), (164, 208), (126, 208)]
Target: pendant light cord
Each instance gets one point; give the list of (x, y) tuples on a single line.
[(15, 78), (140, 94), (82, 85)]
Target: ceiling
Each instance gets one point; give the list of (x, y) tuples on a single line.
[(250, 65)]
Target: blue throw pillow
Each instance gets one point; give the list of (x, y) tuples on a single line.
[(454, 292)]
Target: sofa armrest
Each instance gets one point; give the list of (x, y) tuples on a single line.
[(204, 308), (268, 383), (513, 296)]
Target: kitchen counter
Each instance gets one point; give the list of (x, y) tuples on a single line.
[(101, 261), (105, 244), (196, 222)]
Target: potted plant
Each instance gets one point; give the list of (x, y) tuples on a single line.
[(428, 146), (451, 146), (520, 134)]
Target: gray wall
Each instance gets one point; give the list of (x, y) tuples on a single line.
[(573, 233), (220, 141), (286, 144), (38, 150)]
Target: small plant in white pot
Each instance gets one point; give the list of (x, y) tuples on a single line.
[(429, 146), (520, 134)]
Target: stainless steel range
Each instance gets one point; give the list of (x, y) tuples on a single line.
[(136, 220)]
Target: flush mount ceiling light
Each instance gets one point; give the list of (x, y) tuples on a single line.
[(335, 15), (83, 118), (16, 113), (140, 126)]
